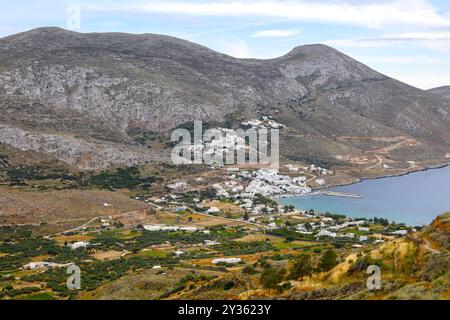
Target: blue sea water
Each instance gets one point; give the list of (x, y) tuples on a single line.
[(415, 199)]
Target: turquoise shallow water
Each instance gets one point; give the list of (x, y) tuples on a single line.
[(415, 199)]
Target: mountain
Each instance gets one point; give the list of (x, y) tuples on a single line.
[(83, 97), (443, 91)]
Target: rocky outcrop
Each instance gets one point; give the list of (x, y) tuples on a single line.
[(67, 89), (442, 91), (75, 151)]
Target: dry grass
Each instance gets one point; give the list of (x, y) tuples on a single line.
[(72, 238), (260, 237), (248, 258), (146, 285), (338, 272), (210, 221), (65, 208), (228, 209), (107, 255)]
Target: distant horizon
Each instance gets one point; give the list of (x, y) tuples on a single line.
[(405, 40)]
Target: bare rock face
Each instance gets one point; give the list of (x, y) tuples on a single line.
[(75, 151), (77, 96), (441, 91), (324, 66)]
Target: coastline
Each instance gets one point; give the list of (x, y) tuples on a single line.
[(322, 191), (394, 175), (359, 180)]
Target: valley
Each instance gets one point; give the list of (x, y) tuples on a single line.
[(87, 179)]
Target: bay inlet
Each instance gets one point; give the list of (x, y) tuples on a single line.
[(414, 199)]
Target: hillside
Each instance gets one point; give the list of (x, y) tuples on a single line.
[(83, 97), (439, 231), (410, 271), (443, 91)]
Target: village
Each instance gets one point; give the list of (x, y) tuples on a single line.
[(217, 220), (244, 201)]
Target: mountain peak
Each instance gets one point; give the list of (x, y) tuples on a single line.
[(312, 48)]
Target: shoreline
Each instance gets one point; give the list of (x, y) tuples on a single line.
[(362, 179), (321, 191), (358, 180)]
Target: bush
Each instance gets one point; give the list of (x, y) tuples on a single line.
[(228, 285), (302, 267), (286, 286), (328, 261), (362, 263), (270, 278), (249, 270), (435, 267)]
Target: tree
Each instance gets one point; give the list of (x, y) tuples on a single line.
[(228, 285), (302, 267), (249, 270), (270, 278), (329, 260)]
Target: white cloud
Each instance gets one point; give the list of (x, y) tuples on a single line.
[(369, 14), (439, 40), (438, 35), (276, 33), (398, 59), (424, 81), (237, 49), (357, 43)]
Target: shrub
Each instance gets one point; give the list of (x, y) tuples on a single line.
[(302, 267), (328, 261), (270, 278), (228, 285)]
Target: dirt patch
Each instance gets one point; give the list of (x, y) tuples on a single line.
[(64, 208), (72, 238), (209, 221), (107, 255)]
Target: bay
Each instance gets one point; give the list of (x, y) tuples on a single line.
[(414, 199)]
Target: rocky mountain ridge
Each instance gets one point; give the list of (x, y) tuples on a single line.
[(77, 96)]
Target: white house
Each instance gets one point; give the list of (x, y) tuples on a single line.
[(326, 233), (79, 244), (213, 210), (320, 182), (161, 227), (226, 260), (210, 243), (400, 232), (45, 265)]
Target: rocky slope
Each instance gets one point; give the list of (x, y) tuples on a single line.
[(78, 96), (439, 230), (443, 91)]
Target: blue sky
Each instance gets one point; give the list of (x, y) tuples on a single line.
[(405, 39)]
